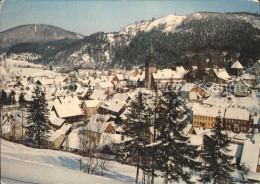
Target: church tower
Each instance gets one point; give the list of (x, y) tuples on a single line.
[(150, 68)]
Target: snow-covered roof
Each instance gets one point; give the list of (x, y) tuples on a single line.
[(57, 121), (168, 74), (237, 65), (65, 128), (73, 139), (206, 110), (70, 100), (98, 95), (250, 155), (202, 131), (113, 105), (97, 125), (68, 110), (253, 176), (221, 73), (237, 113), (107, 139), (120, 97), (196, 140), (106, 84), (187, 87), (53, 135), (235, 151), (92, 103)]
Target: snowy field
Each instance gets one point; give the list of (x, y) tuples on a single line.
[(251, 103), (21, 164), (20, 67)]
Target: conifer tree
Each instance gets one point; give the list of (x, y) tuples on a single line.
[(21, 98), (176, 156), (218, 167), (4, 98), (38, 118), (11, 98), (136, 130)]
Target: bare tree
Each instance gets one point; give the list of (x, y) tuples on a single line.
[(90, 145)]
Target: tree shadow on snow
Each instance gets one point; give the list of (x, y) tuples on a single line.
[(69, 163), (119, 176)]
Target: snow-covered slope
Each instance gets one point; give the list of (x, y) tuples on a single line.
[(20, 164), (103, 50), (171, 23)]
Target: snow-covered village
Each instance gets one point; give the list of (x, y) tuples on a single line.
[(161, 101)]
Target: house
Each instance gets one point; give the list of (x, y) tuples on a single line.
[(98, 95), (107, 87), (73, 141), (69, 111), (235, 152), (255, 69), (121, 86), (14, 125), (56, 138), (205, 115), (113, 107), (45, 82), (240, 88), (121, 97), (237, 119), (97, 125), (164, 78), (236, 69), (193, 92), (120, 77), (56, 122), (90, 107), (250, 155), (107, 142), (12, 129), (185, 91), (250, 79), (136, 81), (218, 75)]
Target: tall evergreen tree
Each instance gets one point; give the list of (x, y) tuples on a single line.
[(4, 98), (38, 118), (136, 129), (11, 98), (218, 167), (176, 156), (21, 98)]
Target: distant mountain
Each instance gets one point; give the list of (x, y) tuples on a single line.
[(37, 33), (202, 38), (212, 38)]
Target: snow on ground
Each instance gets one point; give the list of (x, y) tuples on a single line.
[(21, 164), (251, 103), (30, 69)]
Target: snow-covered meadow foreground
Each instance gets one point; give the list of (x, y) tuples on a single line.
[(21, 164)]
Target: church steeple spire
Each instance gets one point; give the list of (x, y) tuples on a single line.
[(151, 50)]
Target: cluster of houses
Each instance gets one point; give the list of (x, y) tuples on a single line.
[(93, 104)]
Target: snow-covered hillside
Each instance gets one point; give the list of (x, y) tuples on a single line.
[(22, 164), (103, 50), (171, 22)]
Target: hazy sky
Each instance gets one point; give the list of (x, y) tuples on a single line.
[(87, 17)]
